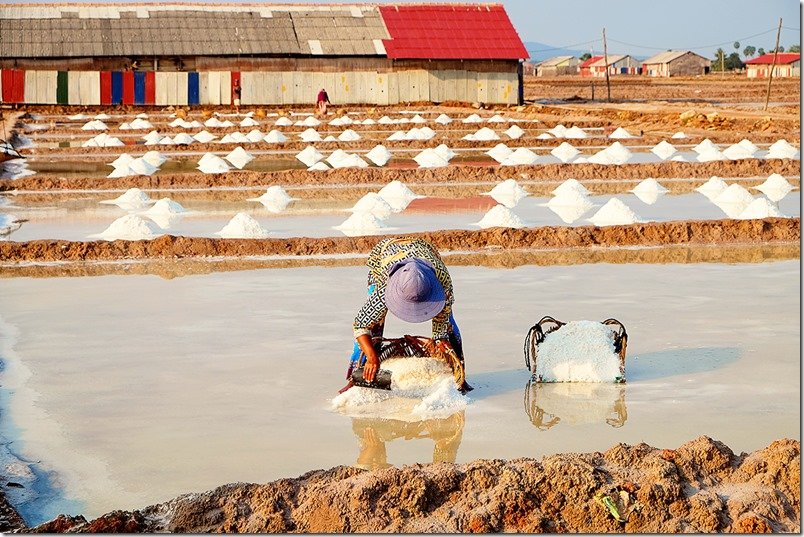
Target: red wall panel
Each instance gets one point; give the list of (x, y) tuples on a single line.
[(128, 87), (235, 78), (150, 87), (106, 87)]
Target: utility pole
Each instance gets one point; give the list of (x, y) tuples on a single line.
[(722, 62), (606, 62), (773, 65)]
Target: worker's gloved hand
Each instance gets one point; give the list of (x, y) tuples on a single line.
[(371, 368)]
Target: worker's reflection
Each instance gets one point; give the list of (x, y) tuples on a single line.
[(574, 403), (373, 433)]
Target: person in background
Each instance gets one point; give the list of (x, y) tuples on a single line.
[(321, 102), (236, 91), (408, 278)]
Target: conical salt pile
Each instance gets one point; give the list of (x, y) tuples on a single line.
[(709, 155), (508, 193), (737, 152), (283, 122), (760, 208), (275, 137), (565, 152), (570, 205), (379, 155), (165, 206), (396, 136), (309, 156), (348, 136), (445, 152), (485, 134), (336, 157), (418, 119), (706, 146), (430, 159), (649, 190), (782, 149), (735, 194), (713, 187), (664, 150), (254, 135), (575, 132), (310, 135), (496, 118), (319, 167), (499, 152), (183, 139), (375, 204), (397, 195), (360, 224), (142, 167), (474, 118), (443, 119), (275, 199), (154, 158), (242, 226), (310, 121), (775, 187), (558, 131), (522, 156), (248, 122), (614, 213), (122, 161), (570, 185), (204, 137), (748, 145), (140, 124), (514, 132), (239, 157), (385, 120), (545, 136), (130, 228), (212, 122), (213, 164), (616, 154), (679, 135), (620, 134), (133, 198), (500, 216)]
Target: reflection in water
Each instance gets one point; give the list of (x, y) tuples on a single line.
[(575, 403), (373, 433)]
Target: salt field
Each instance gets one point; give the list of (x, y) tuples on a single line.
[(184, 386)]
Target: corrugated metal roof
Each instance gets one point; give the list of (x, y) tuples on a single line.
[(451, 32), (612, 59), (557, 60), (668, 56), (782, 58), (186, 29), (590, 61)]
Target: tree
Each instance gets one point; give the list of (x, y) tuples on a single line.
[(749, 51), (585, 56), (719, 59), (761, 51), (733, 61), (736, 45), (795, 48), (771, 51)]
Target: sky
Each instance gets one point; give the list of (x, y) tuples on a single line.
[(637, 27)]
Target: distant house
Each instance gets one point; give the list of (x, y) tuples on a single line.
[(559, 65), (618, 64), (787, 64), (676, 63)]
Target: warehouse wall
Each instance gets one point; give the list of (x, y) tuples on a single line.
[(258, 87)]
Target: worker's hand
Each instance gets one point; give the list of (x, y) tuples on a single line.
[(372, 364)]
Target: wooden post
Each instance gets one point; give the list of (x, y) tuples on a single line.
[(606, 65), (773, 65), (722, 63)]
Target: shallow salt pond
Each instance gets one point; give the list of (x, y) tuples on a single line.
[(313, 218), (125, 391)]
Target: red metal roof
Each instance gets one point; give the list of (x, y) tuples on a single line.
[(442, 32), (590, 61), (781, 59)]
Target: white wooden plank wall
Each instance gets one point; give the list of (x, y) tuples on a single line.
[(226, 87), (161, 81), (73, 92)]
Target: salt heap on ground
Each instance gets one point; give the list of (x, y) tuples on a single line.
[(570, 205), (140, 124), (210, 163), (103, 140), (183, 139), (283, 122), (679, 135), (713, 187), (760, 208), (374, 204), (443, 119), (130, 228), (706, 146), (782, 149), (360, 223), (614, 213), (649, 190), (204, 137), (397, 195), (621, 134), (558, 131), (154, 158), (275, 199), (500, 216), (514, 132), (545, 136), (484, 134), (570, 185), (429, 158), (133, 198), (565, 152), (348, 136), (341, 159), (379, 155), (775, 187), (473, 118), (522, 156), (734, 200), (164, 212), (122, 161), (508, 193), (254, 136), (445, 152), (309, 156), (710, 154), (242, 226), (499, 152), (664, 150), (616, 153), (418, 119), (239, 157), (275, 137), (575, 132), (319, 167), (748, 145), (248, 122), (580, 351), (310, 135), (737, 151), (94, 125), (496, 118), (102, 116)]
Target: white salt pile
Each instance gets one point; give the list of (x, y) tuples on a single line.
[(254, 136), (565, 152), (337, 156), (342, 159), (522, 156), (500, 216), (77, 117), (621, 134), (154, 158), (275, 137), (760, 208), (706, 146), (664, 150), (212, 122), (443, 119), (575, 132), (418, 119), (309, 156), (242, 226), (679, 135), (204, 137), (614, 213), (368, 121), (713, 187), (140, 166), (445, 152), (330, 139), (152, 136), (496, 118), (239, 157), (319, 167), (782, 149), (579, 351), (570, 205), (649, 190), (234, 138), (310, 121), (734, 194), (484, 134), (508, 193), (360, 224), (167, 140), (499, 152), (348, 136), (474, 118), (775, 187), (130, 228), (514, 132), (178, 122), (429, 158), (398, 195), (102, 116), (142, 116), (122, 161), (310, 135), (737, 151), (94, 125), (275, 199), (248, 122), (103, 140), (283, 122), (374, 204), (421, 389), (140, 124), (210, 163), (183, 139), (678, 158), (616, 153), (545, 136), (558, 131), (748, 145), (709, 155), (165, 212), (570, 185), (379, 155), (385, 120), (396, 136)]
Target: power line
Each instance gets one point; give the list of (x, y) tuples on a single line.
[(699, 46), (565, 46)]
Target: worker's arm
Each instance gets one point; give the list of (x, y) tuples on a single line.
[(372, 360)]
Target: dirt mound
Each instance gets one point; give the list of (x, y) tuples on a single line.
[(700, 487), (769, 230)]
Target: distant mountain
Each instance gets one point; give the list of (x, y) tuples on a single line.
[(539, 51)]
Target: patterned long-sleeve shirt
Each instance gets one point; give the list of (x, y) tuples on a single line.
[(383, 256)]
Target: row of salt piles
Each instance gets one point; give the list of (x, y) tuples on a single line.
[(571, 201), (125, 165), (133, 226), (508, 157), (737, 202), (435, 158), (211, 163), (370, 211), (507, 194), (315, 161), (82, 117), (137, 124), (616, 153), (416, 133), (275, 199), (103, 140), (560, 131)]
